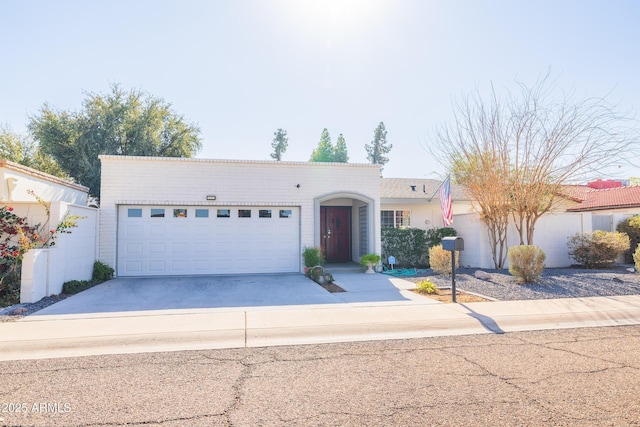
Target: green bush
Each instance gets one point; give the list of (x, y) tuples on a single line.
[(73, 287), (597, 249), (312, 256), (435, 235), (440, 260), (9, 288), (426, 286), (410, 246), (631, 227), (101, 272), (526, 263)]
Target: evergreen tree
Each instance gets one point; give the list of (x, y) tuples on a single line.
[(279, 144), (340, 151), (324, 152), (379, 147)]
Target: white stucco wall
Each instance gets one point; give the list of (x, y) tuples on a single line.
[(551, 234), (166, 181), (16, 179)]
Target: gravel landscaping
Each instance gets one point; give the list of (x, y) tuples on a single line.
[(554, 283)]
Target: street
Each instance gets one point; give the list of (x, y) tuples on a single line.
[(570, 377)]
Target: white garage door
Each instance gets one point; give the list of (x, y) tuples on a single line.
[(179, 240)]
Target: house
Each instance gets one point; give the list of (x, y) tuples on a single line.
[(174, 216), (45, 270)]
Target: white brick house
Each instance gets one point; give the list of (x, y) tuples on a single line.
[(172, 216)]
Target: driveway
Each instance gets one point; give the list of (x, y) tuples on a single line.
[(257, 291)]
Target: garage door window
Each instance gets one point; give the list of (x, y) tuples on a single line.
[(264, 213), (202, 213), (179, 213), (157, 213), (285, 213), (224, 213), (244, 213), (134, 213)]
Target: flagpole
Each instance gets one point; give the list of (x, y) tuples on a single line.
[(435, 192)]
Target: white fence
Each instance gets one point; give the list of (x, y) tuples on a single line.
[(551, 234)]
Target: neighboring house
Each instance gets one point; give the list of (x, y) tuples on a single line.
[(176, 216), (600, 205), (608, 206), (72, 257)]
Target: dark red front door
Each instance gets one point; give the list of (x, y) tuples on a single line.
[(335, 233)]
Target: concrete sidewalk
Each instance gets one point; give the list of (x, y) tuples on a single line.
[(50, 336)]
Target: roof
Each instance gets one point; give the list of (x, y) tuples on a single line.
[(415, 188), (609, 198)]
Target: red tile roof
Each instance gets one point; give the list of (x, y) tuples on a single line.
[(610, 198)]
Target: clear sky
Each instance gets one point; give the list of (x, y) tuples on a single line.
[(241, 69)]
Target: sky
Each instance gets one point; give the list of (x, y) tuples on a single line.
[(242, 69)]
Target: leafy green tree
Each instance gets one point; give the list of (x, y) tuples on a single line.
[(23, 150), (324, 152), (376, 152), (130, 123), (340, 151), (279, 144)]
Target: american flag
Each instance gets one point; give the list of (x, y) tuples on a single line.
[(446, 203)]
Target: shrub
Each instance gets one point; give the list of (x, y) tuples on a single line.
[(312, 256), (631, 227), (426, 286), (636, 258), (597, 249), (101, 272), (435, 235), (440, 260), (409, 246), (526, 263), (75, 286)]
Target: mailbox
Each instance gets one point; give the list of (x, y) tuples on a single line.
[(452, 244)]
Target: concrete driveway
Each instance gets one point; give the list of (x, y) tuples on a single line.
[(257, 291)]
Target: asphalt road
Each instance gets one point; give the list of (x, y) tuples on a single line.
[(576, 377)]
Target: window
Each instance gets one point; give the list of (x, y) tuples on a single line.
[(157, 213), (179, 213), (395, 219), (202, 213), (286, 213), (264, 213), (224, 213), (134, 213), (244, 213)]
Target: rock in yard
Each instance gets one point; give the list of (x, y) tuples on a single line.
[(18, 311), (482, 275)]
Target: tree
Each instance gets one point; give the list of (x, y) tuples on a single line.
[(340, 152), (279, 144), (130, 123), (514, 154), (23, 150), (379, 147), (324, 152)]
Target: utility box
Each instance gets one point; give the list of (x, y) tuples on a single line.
[(452, 244)]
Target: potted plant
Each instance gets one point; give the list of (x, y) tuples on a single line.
[(312, 257), (368, 261)]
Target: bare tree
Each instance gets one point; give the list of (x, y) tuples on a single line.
[(520, 153)]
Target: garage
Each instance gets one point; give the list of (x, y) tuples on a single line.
[(182, 240)]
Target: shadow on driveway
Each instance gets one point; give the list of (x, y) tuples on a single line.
[(197, 292)]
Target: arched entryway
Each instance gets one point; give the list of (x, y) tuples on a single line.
[(345, 226)]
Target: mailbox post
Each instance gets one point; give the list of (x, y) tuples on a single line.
[(453, 244)]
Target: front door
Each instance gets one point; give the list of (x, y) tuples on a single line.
[(335, 233)]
